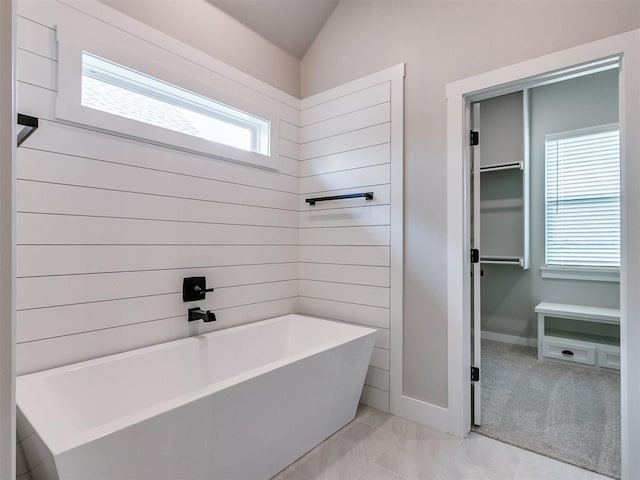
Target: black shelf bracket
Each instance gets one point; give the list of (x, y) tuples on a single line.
[(29, 125), (366, 195)]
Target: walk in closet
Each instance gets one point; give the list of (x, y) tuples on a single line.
[(546, 294)]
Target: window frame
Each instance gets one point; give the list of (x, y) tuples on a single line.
[(155, 62), (576, 272)]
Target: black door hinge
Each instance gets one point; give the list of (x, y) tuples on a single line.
[(474, 138), (475, 255), (475, 374)]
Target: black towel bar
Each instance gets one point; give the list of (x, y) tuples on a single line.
[(29, 125), (366, 195)]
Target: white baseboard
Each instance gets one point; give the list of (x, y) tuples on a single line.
[(512, 339), (422, 412)]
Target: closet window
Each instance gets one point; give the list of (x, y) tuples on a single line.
[(582, 170)]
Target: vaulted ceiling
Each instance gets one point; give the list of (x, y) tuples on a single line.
[(290, 24)]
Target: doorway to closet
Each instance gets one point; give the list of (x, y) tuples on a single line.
[(545, 221)]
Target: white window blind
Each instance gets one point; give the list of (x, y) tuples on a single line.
[(582, 170)]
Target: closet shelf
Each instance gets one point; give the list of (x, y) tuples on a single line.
[(495, 260), (496, 167)]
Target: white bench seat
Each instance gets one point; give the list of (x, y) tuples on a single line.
[(579, 312), (577, 348)]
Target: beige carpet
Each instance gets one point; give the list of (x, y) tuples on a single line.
[(565, 412)]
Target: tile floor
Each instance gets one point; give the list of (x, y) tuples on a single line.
[(379, 446)]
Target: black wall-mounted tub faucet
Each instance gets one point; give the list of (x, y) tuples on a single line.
[(199, 314)]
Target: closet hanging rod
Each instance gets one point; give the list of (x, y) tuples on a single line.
[(29, 125), (366, 195), (502, 166), (502, 260)]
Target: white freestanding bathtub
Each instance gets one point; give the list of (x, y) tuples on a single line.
[(240, 403)]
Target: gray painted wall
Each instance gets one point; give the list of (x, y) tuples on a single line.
[(509, 293), (441, 41)]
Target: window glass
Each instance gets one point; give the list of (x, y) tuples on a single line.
[(118, 90), (582, 171)]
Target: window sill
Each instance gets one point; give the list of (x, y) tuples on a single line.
[(594, 274)]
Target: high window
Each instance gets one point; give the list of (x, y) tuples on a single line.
[(118, 90), (164, 94), (582, 170)]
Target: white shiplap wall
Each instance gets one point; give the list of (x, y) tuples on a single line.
[(345, 245), (107, 227)]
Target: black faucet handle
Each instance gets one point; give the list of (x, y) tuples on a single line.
[(194, 289), (199, 289), (209, 317)]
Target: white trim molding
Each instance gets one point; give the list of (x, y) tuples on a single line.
[(594, 274), (7, 239), (510, 339), (625, 49), (108, 43)]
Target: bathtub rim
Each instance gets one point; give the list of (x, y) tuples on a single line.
[(61, 437)]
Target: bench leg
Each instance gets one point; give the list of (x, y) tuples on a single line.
[(540, 334)]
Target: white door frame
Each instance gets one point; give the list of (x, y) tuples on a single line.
[(476, 268), (627, 47), (7, 215)]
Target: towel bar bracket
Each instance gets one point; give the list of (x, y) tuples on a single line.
[(29, 125)]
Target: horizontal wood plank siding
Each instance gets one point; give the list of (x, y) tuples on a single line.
[(362, 157), (58, 290), (367, 235), (38, 355), (57, 321), (357, 275), (345, 244), (341, 105), (107, 226), (64, 229)]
